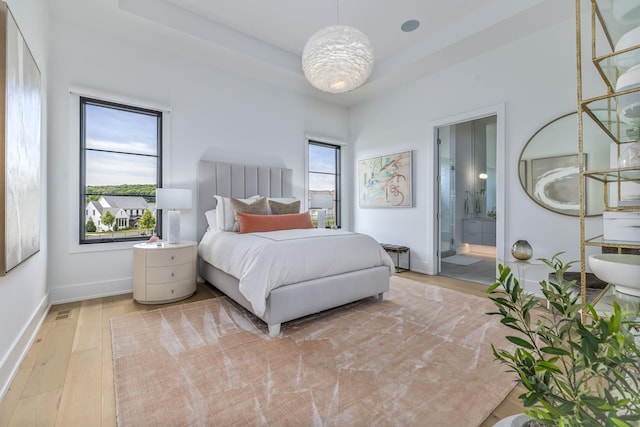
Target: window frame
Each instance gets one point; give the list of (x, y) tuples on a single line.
[(338, 175), (159, 115)]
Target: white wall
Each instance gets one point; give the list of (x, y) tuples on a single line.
[(214, 114), (536, 81), (23, 292)]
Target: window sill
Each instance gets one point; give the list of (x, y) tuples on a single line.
[(76, 248)]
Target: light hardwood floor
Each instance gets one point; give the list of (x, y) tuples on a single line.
[(66, 378)]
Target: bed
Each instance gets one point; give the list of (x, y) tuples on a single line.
[(288, 296)]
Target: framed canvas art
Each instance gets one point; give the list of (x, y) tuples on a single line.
[(385, 181), (20, 108), (555, 183)]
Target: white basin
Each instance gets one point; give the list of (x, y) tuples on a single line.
[(621, 270)]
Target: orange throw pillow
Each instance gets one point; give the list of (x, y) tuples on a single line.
[(255, 223)]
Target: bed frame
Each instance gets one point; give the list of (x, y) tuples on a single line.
[(287, 302)]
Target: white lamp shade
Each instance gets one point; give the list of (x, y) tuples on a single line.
[(173, 198), (337, 59), (321, 201)]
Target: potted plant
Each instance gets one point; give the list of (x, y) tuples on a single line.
[(576, 373)]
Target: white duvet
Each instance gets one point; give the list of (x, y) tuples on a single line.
[(264, 261)]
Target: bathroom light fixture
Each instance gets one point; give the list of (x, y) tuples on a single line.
[(338, 58), (173, 198), (483, 185)]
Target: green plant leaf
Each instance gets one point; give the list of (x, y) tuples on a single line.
[(520, 342), (619, 423), (493, 287), (508, 319), (544, 365), (555, 350)]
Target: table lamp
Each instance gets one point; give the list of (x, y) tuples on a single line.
[(322, 202), (173, 199)]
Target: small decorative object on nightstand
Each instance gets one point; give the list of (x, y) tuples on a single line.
[(164, 273)]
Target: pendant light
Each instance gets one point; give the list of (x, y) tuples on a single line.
[(338, 58)]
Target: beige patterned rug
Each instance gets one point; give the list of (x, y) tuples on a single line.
[(422, 357)]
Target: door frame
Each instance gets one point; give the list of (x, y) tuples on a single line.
[(497, 110)]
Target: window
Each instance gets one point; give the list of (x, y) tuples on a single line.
[(120, 169), (324, 177)]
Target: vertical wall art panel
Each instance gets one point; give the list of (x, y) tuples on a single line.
[(20, 147), (385, 181)]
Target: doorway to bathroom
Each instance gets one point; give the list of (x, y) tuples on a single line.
[(467, 208)]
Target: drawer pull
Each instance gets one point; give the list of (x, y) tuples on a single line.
[(171, 274), (172, 257)]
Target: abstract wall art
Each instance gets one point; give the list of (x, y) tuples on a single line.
[(20, 122), (385, 181), (556, 182)]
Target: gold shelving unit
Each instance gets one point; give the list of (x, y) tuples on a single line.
[(604, 110)]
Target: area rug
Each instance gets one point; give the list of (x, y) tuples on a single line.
[(421, 357), (460, 260)]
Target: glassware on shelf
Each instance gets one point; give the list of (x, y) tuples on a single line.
[(630, 156)]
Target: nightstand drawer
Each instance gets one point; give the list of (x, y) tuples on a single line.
[(166, 292), (169, 257), (173, 273)]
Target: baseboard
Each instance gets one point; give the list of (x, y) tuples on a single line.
[(85, 291), (17, 353)]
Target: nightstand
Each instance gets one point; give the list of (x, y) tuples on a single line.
[(164, 273)]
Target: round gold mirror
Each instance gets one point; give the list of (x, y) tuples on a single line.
[(548, 166)]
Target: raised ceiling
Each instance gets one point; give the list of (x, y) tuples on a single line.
[(264, 39)]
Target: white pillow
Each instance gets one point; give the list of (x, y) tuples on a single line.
[(286, 200), (225, 218), (211, 220)]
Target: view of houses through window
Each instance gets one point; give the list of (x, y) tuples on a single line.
[(324, 178), (120, 171)]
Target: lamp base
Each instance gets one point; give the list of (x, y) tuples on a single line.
[(322, 216), (173, 231)]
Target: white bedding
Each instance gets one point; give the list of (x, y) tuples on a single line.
[(264, 261)]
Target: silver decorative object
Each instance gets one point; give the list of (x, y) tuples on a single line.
[(522, 250)]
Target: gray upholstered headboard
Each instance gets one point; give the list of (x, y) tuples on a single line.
[(239, 181)]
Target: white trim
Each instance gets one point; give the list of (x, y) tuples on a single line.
[(18, 351), (120, 99), (323, 138), (84, 291), (497, 110)]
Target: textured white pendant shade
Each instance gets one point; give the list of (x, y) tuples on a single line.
[(337, 59)]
